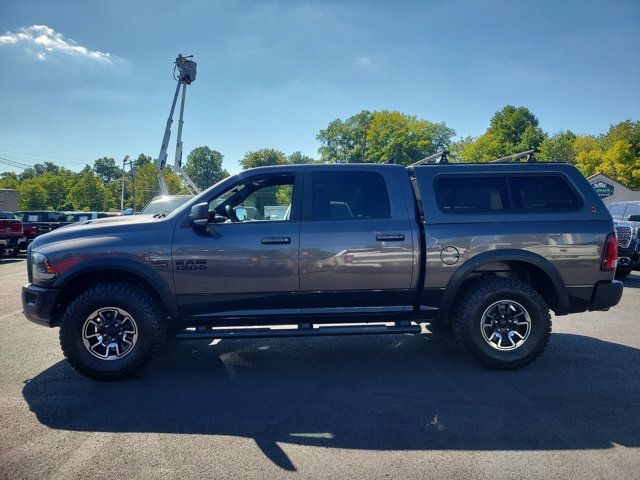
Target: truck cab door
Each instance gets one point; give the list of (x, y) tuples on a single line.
[(357, 245), (244, 262)]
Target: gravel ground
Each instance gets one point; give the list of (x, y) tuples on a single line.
[(397, 406)]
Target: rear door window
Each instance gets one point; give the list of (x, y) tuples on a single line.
[(349, 196)]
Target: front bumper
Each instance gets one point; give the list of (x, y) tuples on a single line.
[(38, 303), (13, 242), (606, 294), (629, 258)]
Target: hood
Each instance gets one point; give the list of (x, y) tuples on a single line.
[(110, 226)]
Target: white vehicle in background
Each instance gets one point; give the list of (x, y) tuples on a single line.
[(84, 216), (164, 204)]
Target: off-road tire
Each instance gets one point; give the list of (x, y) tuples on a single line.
[(140, 304), (475, 300)]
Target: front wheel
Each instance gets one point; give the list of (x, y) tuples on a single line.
[(503, 322), (112, 330)]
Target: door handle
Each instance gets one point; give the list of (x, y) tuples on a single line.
[(276, 241), (395, 237)]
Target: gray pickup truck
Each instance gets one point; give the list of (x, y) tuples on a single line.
[(486, 250)]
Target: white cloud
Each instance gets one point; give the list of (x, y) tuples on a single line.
[(43, 42), (363, 61)]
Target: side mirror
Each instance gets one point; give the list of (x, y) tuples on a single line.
[(199, 214), (634, 218)]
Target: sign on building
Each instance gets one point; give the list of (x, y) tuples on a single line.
[(603, 189)]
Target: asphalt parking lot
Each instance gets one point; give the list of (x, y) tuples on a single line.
[(401, 406)]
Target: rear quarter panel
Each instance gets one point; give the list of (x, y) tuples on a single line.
[(572, 241)]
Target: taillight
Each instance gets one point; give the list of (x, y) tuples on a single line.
[(610, 257)]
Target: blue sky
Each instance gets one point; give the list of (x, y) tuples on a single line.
[(99, 81)]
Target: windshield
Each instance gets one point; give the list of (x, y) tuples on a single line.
[(164, 205)]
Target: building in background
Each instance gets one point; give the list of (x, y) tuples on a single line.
[(611, 190), (8, 200)]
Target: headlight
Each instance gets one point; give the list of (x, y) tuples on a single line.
[(42, 272)]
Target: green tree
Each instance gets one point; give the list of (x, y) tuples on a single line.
[(57, 187), (345, 142), (511, 130), (32, 196), (485, 148), (618, 162), (147, 184), (512, 125), (627, 131), (456, 148), (204, 166), (263, 157), (142, 160), (106, 169), (404, 139), (559, 147), (298, 158), (9, 180), (88, 193), (380, 137), (39, 169)]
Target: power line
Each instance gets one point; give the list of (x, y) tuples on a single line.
[(45, 156), (13, 163)]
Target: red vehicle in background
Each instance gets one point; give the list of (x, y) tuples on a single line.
[(12, 238), (37, 222)]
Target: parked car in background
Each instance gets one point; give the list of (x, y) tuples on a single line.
[(12, 237), (37, 222), (164, 204), (626, 217), (73, 217)]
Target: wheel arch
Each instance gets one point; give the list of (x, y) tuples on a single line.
[(108, 270), (542, 275)]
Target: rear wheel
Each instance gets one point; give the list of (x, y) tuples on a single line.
[(112, 330), (503, 322)]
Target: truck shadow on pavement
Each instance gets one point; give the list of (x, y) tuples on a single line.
[(409, 392)]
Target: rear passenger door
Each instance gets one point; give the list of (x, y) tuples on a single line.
[(356, 246)]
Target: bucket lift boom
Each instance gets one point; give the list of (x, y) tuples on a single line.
[(186, 74)]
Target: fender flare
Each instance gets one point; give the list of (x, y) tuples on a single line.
[(504, 255), (153, 278)]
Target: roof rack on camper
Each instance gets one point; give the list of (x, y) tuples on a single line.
[(528, 154), (436, 158)]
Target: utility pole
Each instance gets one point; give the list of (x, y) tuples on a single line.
[(124, 162), (133, 183)]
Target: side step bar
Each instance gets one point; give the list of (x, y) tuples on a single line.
[(203, 333)]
